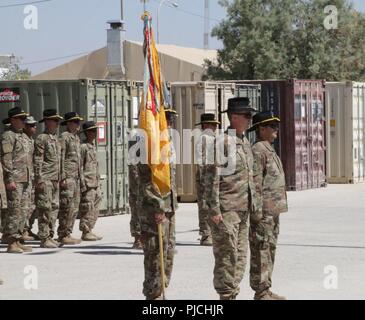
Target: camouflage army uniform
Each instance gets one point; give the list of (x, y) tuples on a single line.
[(32, 212), (151, 203), (135, 227), (3, 199), (16, 168), (71, 172), (47, 156), (91, 193), (202, 157), (270, 187), (233, 196)]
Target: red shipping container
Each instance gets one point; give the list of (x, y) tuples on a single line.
[(301, 144)]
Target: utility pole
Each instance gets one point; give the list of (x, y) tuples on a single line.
[(206, 25), (122, 10)]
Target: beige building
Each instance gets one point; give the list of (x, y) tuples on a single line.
[(123, 59)]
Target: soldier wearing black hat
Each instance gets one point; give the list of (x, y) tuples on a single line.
[(91, 192), (47, 158), (204, 149), (17, 178), (269, 178), (71, 172), (230, 197)]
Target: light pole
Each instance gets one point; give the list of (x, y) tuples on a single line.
[(158, 16)]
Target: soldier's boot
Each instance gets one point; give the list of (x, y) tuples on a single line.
[(206, 241), (55, 242), (276, 296), (13, 246), (22, 246), (228, 296), (48, 244), (69, 241), (89, 236), (264, 295), (156, 297), (137, 243), (35, 236), (97, 236), (27, 237)]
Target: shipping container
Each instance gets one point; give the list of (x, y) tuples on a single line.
[(191, 99), (109, 103), (345, 102), (301, 144)]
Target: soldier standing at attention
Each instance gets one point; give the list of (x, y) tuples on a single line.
[(209, 125), (17, 178), (270, 187), (3, 200), (47, 156), (91, 192), (71, 172), (157, 210), (230, 197), (30, 131)]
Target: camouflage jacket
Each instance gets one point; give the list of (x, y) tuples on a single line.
[(70, 156), (204, 154), (31, 154), (3, 199), (150, 200), (269, 178), (233, 190), (47, 157), (90, 166), (15, 158)]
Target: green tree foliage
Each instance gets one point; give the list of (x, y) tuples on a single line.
[(13, 71), (280, 39)]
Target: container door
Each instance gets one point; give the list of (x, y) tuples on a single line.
[(98, 111), (358, 132)]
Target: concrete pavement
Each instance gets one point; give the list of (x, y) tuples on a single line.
[(325, 227)]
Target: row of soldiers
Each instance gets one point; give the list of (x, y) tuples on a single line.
[(236, 210), (48, 177)]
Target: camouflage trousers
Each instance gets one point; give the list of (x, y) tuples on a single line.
[(15, 216), (32, 214), (152, 279), (204, 228), (135, 226), (89, 208), (69, 207), (263, 240), (230, 246), (47, 203)]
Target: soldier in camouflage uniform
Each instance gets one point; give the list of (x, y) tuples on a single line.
[(209, 126), (71, 172), (91, 191), (135, 226), (30, 130), (47, 157), (230, 197), (3, 200), (156, 210), (3, 211), (17, 178), (269, 178)]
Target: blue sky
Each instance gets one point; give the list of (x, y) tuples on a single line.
[(68, 27)]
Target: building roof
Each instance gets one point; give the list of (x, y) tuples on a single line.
[(177, 63)]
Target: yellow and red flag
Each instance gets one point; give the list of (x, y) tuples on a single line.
[(152, 117)]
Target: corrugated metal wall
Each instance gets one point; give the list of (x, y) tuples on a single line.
[(107, 102)]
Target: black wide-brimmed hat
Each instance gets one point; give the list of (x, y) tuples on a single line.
[(15, 112), (89, 125), (50, 114), (239, 105), (208, 118), (171, 111), (71, 116), (263, 118)]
